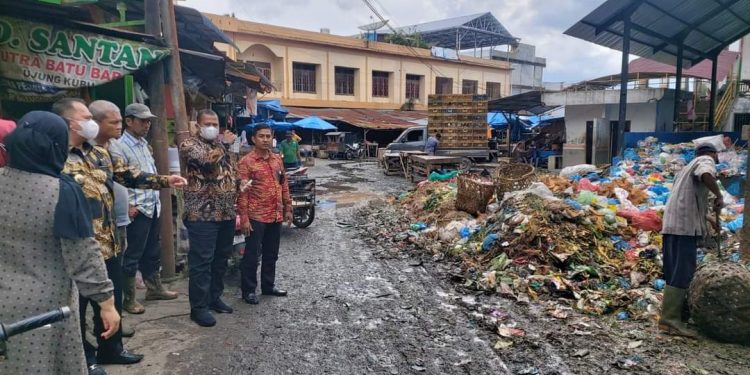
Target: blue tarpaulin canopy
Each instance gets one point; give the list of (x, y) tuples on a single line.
[(315, 123), (273, 105), (277, 126)]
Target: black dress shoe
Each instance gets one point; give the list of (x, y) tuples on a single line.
[(96, 370), (222, 308), (123, 358), (275, 292), (251, 298), (203, 318)]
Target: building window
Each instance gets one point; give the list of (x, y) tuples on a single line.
[(344, 81), (494, 90), (380, 84), (263, 68), (304, 77), (413, 86), (469, 87), (443, 85)]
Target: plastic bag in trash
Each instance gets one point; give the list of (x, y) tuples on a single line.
[(735, 225), (586, 198), (715, 140), (573, 204), (647, 220), (585, 184), (577, 170), (435, 176), (489, 241)]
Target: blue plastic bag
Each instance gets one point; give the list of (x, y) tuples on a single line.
[(659, 284), (489, 241), (418, 227), (574, 204), (630, 154), (735, 225)]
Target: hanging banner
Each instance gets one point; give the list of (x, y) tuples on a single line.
[(41, 61)]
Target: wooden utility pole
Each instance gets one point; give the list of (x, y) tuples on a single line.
[(177, 91), (158, 138)]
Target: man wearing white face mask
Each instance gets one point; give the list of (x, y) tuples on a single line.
[(209, 215), (92, 168)]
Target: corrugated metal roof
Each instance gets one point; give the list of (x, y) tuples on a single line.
[(701, 70), (481, 29), (362, 118), (703, 27)]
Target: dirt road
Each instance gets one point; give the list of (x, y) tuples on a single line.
[(348, 311)]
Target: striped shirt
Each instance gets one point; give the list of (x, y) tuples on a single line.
[(685, 213), (137, 154)]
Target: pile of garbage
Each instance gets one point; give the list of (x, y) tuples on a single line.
[(587, 236)]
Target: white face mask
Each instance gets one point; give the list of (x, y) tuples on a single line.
[(209, 133), (89, 129)]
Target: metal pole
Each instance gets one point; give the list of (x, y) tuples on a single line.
[(712, 101), (621, 120), (159, 140), (677, 90)]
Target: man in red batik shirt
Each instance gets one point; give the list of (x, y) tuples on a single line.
[(264, 204)]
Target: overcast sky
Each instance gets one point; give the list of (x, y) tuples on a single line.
[(537, 22)]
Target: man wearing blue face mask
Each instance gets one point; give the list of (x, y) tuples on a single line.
[(209, 215)]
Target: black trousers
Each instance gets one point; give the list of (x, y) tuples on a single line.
[(113, 345), (679, 253), (144, 252), (265, 240), (210, 248)]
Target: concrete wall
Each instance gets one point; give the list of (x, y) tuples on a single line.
[(281, 54), (528, 69), (653, 113)]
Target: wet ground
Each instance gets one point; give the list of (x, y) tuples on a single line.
[(350, 311)]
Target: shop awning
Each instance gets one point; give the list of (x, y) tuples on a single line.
[(370, 119), (530, 102)]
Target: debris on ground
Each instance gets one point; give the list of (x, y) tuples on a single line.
[(588, 236)]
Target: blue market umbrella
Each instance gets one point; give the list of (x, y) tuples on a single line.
[(315, 123)]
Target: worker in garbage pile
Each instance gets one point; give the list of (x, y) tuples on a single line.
[(683, 224), (432, 144)]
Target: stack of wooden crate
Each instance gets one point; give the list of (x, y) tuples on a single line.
[(461, 120)]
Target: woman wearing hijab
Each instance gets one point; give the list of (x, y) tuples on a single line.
[(47, 251)]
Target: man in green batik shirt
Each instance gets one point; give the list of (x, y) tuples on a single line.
[(290, 151)]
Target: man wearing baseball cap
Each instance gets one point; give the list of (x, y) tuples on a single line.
[(684, 222), (143, 251)]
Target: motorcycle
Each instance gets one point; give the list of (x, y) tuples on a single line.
[(302, 190), (7, 330), (354, 151)]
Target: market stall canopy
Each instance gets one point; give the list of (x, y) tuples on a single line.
[(530, 102), (202, 72), (195, 31), (277, 126), (702, 28), (465, 32), (239, 71), (272, 105), (363, 118), (314, 123)]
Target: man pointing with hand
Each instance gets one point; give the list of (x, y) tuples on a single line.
[(264, 204)]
